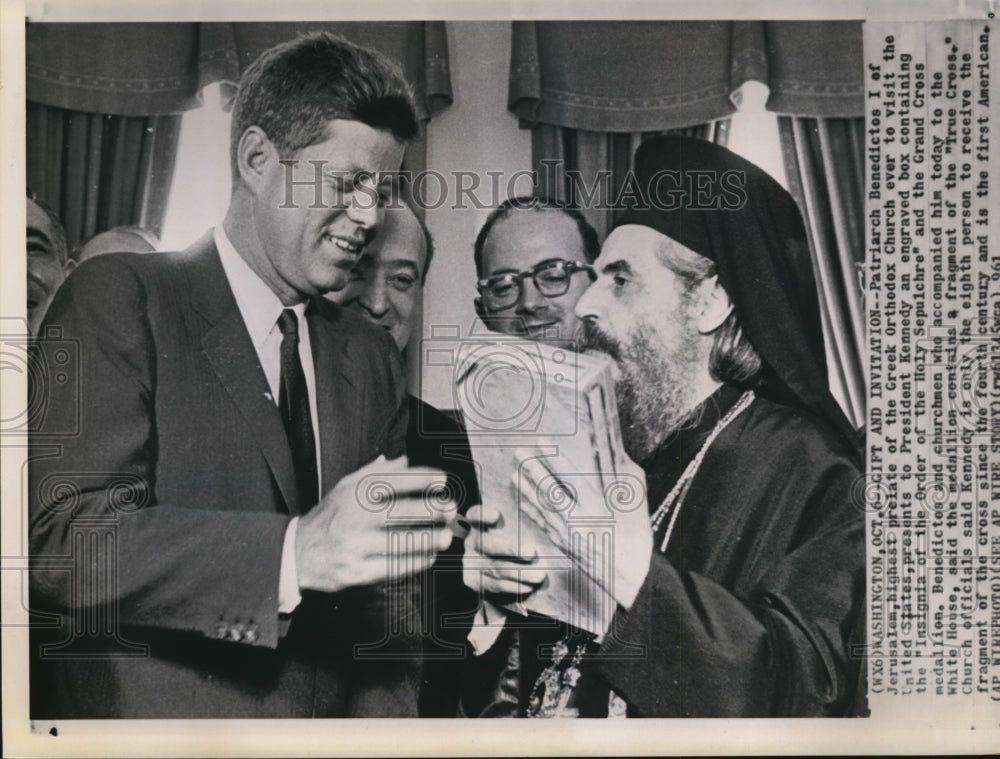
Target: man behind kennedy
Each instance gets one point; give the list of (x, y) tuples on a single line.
[(215, 504)]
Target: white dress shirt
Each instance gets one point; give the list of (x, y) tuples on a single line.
[(260, 309)]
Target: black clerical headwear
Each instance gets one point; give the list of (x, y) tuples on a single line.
[(725, 208)]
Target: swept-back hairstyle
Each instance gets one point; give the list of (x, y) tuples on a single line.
[(428, 249), (733, 358), (295, 89), (541, 204)]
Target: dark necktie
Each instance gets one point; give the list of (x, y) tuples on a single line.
[(293, 402)]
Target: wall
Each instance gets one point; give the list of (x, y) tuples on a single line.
[(475, 135)]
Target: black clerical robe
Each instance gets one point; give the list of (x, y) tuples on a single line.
[(754, 606)]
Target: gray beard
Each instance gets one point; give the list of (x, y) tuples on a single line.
[(655, 392), (656, 387)]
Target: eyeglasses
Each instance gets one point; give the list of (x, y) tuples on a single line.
[(550, 277)]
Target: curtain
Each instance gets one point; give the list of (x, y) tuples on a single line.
[(121, 69), (619, 76), (144, 69), (99, 171), (824, 160), (104, 99), (632, 76), (814, 68), (588, 169), (591, 90)]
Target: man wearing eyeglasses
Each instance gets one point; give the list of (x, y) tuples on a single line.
[(744, 593), (533, 260)]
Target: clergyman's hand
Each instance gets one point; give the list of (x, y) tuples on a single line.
[(563, 500)]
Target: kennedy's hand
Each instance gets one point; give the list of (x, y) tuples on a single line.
[(385, 521), (493, 563)]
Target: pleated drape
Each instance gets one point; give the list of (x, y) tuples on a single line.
[(824, 160), (100, 171), (588, 169), (632, 76)]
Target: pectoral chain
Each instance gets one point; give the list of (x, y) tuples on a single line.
[(671, 504)]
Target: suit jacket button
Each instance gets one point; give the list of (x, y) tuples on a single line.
[(251, 635), (221, 630), (236, 632)]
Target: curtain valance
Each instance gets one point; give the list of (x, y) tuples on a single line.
[(633, 76), (144, 69)]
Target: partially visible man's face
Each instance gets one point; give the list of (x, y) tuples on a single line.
[(45, 266), (387, 283), (520, 242), (637, 313), (312, 246)]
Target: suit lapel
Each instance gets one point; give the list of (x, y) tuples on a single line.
[(229, 350), (339, 390)]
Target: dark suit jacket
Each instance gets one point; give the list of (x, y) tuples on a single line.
[(161, 487), (435, 439)]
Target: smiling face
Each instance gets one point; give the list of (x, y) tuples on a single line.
[(520, 242), (387, 284), (312, 212), (46, 264)]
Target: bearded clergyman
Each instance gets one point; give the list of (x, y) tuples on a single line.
[(745, 595)]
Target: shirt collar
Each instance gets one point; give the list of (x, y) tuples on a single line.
[(258, 304)]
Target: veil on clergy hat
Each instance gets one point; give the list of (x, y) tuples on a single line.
[(725, 208)]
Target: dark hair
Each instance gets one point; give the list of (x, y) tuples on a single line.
[(733, 357), (59, 232), (588, 235), (143, 234), (295, 89), (428, 247)]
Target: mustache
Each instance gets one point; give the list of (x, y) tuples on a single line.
[(593, 338)]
